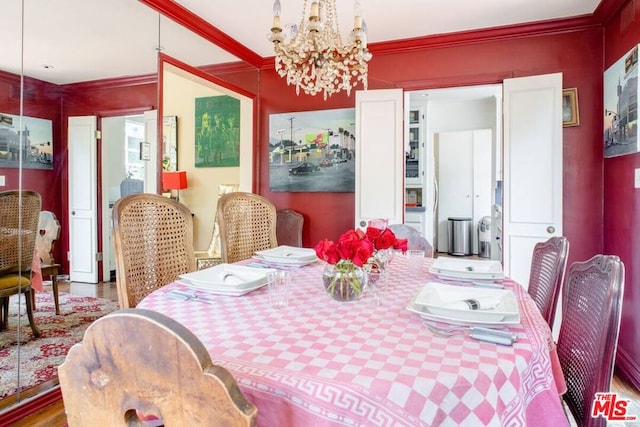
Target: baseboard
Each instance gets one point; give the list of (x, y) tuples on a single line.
[(30, 406)]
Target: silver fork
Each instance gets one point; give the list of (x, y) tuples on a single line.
[(187, 296), (484, 334)]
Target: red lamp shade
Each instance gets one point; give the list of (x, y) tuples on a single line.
[(174, 180)]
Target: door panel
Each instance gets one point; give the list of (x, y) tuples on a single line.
[(83, 241), (379, 158), (532, 168), (455, 180)]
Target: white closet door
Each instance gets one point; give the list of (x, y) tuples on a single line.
[(482, 181), (83, 211), (532, 168), (379, 191), (455, 180)]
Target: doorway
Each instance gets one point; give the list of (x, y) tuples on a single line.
[(128, 167), (452, 116)]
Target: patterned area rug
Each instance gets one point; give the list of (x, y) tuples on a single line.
[(40, 357)]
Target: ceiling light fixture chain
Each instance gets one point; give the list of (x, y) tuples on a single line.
[(312, 56)]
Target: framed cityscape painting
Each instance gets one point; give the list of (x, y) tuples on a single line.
[(621, 106), (312, 151), (30, 139)]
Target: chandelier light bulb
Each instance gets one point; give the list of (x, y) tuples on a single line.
[(277, 9)]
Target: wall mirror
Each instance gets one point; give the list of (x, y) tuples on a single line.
[(184, 88), (38, 79)]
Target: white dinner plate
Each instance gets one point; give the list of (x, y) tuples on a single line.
[(467, 268), (229, 279), (229, 292), (284, 262), (288, 254), (442, 302)]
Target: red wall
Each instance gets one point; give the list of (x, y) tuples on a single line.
[(120, 97), (42, 101), (576, 54), (622, 202)]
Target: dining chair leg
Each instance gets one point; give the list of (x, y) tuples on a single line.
[(32, 323), (4, 310), (54, 287)]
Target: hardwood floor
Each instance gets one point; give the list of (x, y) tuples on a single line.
[(54, 416)]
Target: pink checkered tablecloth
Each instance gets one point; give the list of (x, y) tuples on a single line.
[(319, 362)]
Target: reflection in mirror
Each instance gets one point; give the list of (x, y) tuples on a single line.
[(56, 62), (73, 67), (170, 143), (184, 89), (11, 147)]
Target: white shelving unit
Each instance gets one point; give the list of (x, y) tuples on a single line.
[(414, 170), (414, 163)]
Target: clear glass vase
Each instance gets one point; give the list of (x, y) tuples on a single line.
[(344, 281)]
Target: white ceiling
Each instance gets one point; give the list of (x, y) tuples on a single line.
[(386, 20), (86, 40)]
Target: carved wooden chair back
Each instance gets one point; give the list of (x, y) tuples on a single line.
[(137, 365), (48, 232), (289, 226)]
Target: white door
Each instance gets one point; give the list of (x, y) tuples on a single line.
[(379, 189), (113, 172), (83, 185), (455, 180), (532, 168), (482, 179), (464, 179)]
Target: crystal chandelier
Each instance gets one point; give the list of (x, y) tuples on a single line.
[(312, 56)]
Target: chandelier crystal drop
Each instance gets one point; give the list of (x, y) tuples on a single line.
[(312, 57)]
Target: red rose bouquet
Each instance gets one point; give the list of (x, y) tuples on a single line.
[(353, 246), (344, 278), (385, 239)]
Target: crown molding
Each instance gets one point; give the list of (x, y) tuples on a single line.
[(603, 13), (490, 34), (193, 22)]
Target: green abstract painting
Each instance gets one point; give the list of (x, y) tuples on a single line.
[(217, 132)]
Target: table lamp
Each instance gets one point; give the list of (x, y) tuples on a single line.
[(174, 181)]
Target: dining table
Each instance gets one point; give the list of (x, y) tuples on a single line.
[(371, 362)]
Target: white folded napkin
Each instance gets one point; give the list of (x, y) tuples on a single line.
[(478, 303), (229, 278)]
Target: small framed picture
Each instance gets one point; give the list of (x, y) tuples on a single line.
[(570, 116), (145, 151)]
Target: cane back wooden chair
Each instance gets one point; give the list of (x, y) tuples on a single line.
[(247, 224), (19, 213), (548, 264), (591, 311), (153, 242), (137, 365)]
